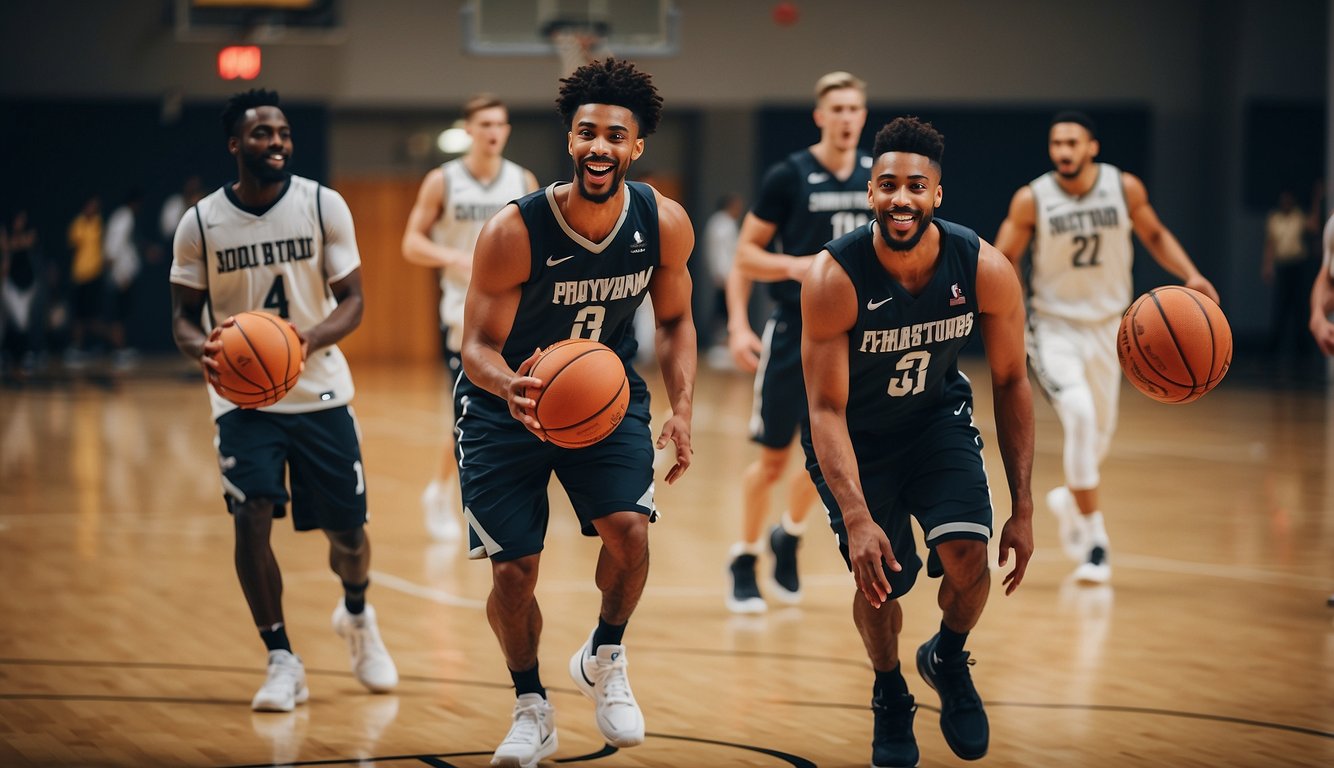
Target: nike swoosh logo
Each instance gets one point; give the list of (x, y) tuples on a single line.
[(873, 305), (553, 261), (960, 409)]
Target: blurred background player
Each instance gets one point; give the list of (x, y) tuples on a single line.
[(454, 201), (1079, 217), (86, 280), (807, 199), (720, 239), (310, 439)]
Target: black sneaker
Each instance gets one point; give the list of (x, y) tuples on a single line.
[(784, 547), (892, 742), (744, 596), (962, 718)]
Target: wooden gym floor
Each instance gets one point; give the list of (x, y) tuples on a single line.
[(126, 641)]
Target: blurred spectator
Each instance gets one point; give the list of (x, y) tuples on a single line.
[(20, 298), (1286, 267), (720, 236), (86, 267), (120, 248), (175, 206)]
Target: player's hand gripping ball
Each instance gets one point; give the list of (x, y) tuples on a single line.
[(584, 392)]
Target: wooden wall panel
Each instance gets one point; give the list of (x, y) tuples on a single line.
[(401, 323)]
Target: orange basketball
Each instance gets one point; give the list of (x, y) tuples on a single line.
[(584, 394), (260, 360), (1174, 344)]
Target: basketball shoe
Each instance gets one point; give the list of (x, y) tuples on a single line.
[(744, 596), (1070, 528), (892, 741), (1096, 567), (784, 547), (285, 686), (370, 661), (963, 720), (531, 737), (600, 674), (440, 507)]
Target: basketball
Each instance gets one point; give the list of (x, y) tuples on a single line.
[(1174, 344), (260, 360), (584, 394)]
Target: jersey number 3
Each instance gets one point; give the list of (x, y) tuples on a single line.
[(588, 323), (913, 380)]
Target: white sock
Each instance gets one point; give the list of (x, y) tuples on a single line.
[(792, 527), (1095, 528), (744, 548)]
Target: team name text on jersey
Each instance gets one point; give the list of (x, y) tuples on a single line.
[(265, 254), (917, 334), (600, 289)]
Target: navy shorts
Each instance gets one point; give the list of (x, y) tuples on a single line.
[(934, 474), (321, 453), (504, 471), (779, 407)]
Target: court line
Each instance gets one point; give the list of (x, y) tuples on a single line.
[(382, 579)]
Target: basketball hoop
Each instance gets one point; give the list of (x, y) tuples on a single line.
[(577, 42)]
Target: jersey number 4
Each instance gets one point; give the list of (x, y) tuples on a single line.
[(276, 298)]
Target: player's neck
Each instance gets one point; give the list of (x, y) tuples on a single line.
[(254, 193), (484, 168), (1081, 184), (592, 220), (912, 268), (838, 161)]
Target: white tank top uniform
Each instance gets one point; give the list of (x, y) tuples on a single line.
[(469, 203), (281, 260)]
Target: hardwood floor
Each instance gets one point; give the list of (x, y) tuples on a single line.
[(126, 641)]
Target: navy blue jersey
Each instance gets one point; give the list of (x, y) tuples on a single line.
[(903, 351), (811, 207), (578, 289)]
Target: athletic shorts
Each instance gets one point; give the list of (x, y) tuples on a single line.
[(779, 407), (504, 470), (321, 453), (934, 474)]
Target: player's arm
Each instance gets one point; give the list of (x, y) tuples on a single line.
[(418, 247), (188, 296), (753, 257), (674, 340), (828, 313), (1322, 295), (1001, 303), (742, 342), (1160, 241), (502, 259), (342, 264), (1016, 231)]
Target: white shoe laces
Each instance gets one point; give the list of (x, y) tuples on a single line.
[(615, 683), (283, 674), (527, 728)]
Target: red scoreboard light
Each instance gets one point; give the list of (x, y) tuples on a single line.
[(239, 62)]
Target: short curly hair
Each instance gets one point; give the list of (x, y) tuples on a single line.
[(234, 112), (611, 81), (909, 134)]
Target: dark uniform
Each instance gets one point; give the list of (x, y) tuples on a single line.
[(575, 289), (910, 409), (811, 207)]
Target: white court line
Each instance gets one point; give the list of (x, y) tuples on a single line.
[(381, 579)]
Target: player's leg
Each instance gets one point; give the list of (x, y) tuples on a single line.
[(252, 450), (329, 493), (440, 500), (953, 504), (610, 485), (1104, 380)]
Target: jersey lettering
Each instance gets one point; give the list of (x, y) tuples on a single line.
[(602, 289)]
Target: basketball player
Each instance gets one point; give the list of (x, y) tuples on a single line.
[(279, 243), (886, 310), (1079, 217), (1322, 295), (574, 260), (454, 201), (810, 197)]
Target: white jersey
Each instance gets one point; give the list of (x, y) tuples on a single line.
[(280, 260), (1082, 254), (468, 205)]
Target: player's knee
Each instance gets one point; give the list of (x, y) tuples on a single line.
[(1075, 407), (624, 534), (964, 560), (769, 467), (513, 578), (254, 516), (350, 542)]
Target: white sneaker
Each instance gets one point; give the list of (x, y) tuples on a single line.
[(440, 507), (533, 735), (285, 686), (1062, 504), (602, 679), (370, 661), (1096, 569)]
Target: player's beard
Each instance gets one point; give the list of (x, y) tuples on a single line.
[(884, 220), (617, 178), (1077, 169), (259, 167)]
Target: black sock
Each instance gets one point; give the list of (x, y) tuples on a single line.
[(354, 597), (607, 634), (528, 681), (275, 638), (889, 683), (950, 643)]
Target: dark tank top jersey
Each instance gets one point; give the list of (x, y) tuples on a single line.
[(904, 349), (579, 289), (812, 207)]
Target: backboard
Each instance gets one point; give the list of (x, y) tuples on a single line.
[(533, 27)]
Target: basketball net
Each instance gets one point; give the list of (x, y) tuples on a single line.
[(577, 46)]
